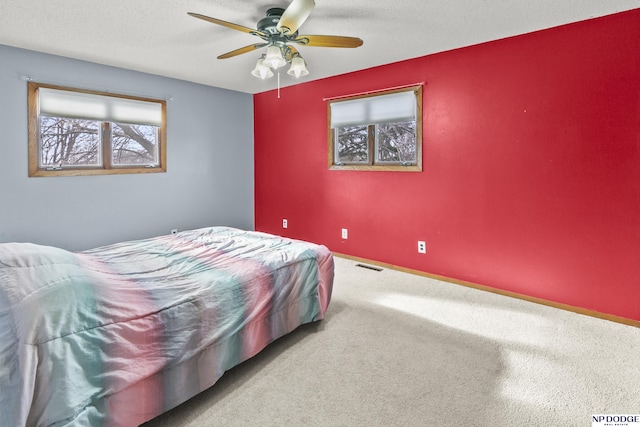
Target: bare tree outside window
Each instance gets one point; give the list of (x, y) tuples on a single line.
[(396, 142), (69, 142), (134, 144), (353, 144)]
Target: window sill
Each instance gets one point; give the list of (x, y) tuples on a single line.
[(379, 168), (89, 172)]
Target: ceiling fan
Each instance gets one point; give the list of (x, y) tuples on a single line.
[(279, 30)]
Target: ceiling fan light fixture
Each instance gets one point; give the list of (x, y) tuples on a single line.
[(274, 58), (298, 67), (278, 31), (262, 71)]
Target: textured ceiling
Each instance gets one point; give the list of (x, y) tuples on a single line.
[(157, 36)]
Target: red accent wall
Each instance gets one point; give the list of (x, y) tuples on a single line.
[(531, 167)]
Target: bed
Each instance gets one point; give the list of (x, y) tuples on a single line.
[(117, 335)]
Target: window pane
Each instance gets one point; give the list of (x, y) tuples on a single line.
[(352, 144), (134, 145), (396, 142), (65, 141)]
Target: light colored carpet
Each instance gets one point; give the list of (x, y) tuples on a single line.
[(397, 349)]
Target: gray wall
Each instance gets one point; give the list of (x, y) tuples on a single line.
[(209, 178)]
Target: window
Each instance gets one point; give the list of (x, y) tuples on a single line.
[(377, 132), (79, 132)]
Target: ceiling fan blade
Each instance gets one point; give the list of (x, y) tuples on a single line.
[(328, 41), (294, 15), (227, 24), (242, 50)]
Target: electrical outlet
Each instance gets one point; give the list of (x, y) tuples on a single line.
[(285, 223), (345, 233), (174, 231), (422, 247)]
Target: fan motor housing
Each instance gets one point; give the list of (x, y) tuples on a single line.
[(268, 24), (275, 11)]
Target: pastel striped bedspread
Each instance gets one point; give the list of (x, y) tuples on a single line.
[(116, 335)]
